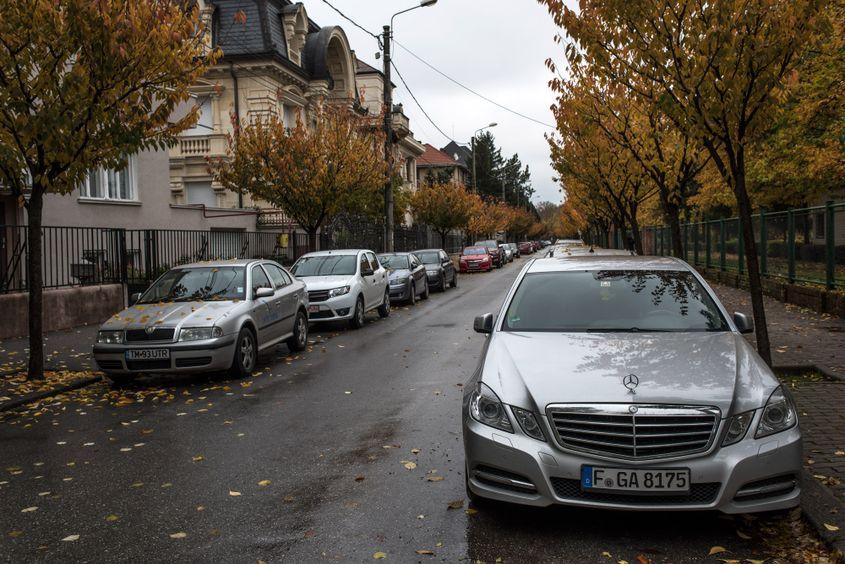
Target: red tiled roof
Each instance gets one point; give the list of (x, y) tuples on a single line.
[(435, 157)]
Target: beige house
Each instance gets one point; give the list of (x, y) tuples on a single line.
[(437, 166), (406, 149), (277, 61)]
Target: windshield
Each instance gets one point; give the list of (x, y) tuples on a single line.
[(489, 244), (394, 262), (613, 301), (475, 251), (197, 284), (324, 265), (431, 257)]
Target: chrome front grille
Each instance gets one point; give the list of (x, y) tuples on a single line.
[(634, 431), (157, 334)]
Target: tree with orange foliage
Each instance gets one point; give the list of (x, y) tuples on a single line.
[(443, 207), (311, 173)]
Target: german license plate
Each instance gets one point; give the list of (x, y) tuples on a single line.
[(313, 308), (635, 480), (148, 354)]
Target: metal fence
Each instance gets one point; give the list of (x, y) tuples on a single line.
[(75, 256), (798, 245)]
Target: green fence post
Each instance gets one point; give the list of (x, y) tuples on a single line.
[(790, 245), (830, 245), (740, 246), (708, 245), (722, 244), (686, 242), (763, 251), (695, 244)]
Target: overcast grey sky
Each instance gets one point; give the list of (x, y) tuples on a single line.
[(496, 47)]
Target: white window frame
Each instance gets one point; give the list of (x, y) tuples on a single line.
[(104, 176)]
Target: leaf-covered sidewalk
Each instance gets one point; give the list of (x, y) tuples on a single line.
[(802, 337)]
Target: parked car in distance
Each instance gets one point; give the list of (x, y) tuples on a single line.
[(205, 317), (653, 400), (439, 268), (507, 252), (515, 249), (343, 285), (496, 254), (526, 248), (474, 259), (407, 276)]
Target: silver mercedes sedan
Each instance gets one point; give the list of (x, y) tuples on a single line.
[(621, 382), (205, 317)]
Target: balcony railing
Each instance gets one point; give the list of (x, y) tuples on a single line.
[(200, 146)]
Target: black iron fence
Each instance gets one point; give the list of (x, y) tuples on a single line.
[(74, 256)]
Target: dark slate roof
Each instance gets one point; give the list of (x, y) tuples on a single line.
[(464, 153), (263, 35), (364, 68)]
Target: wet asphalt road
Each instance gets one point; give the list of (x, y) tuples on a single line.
[(306, 462)]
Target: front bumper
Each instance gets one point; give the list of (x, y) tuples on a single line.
[(400, 292), (739, 478), (340, 308), (479, 267), (185, 358)]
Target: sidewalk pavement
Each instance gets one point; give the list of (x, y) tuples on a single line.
[(801, 337), (64, 350)]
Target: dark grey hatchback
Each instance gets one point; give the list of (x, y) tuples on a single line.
[(407, 278), (439, 267)]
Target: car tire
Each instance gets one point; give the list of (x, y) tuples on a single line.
[(441, 286), (357, 320), (426, 291), (384, 308), (454, 283), (412, 294), (246, 353), (299, 339)]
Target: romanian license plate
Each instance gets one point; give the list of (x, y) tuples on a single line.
[(313, 308), (148, 354), (597, 478)]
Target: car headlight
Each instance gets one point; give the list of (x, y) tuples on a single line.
[(199, 333), (486, 408), (778, 415), (737, 427), (110, 337), (398, 281), (339, 292), (528, 423)]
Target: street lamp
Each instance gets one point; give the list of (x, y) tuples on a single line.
[(387, 36), (477, 131)]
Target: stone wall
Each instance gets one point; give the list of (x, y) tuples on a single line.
[(63, 308)]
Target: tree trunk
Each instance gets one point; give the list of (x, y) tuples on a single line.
[(312, 239), (672, 216), (34, 283), (755, 284)]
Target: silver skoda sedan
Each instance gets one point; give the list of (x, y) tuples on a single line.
[(621, 382), (204, 317)]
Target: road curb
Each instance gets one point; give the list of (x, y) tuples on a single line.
[(822, 508), (29, 398)]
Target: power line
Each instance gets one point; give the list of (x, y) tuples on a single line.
[(350, 20), (417, 102), (468, 89)]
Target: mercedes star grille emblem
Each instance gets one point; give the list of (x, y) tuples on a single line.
[(631, 382)]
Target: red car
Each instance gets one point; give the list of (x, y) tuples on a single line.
[(526, 248), (476, 258)]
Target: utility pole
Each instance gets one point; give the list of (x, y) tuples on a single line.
[(388, 144)]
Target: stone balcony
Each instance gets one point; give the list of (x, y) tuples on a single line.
[(199, 147)]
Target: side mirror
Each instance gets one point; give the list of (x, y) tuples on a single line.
[(264, 293), (484, 323), (743, 323), (133, 299)]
